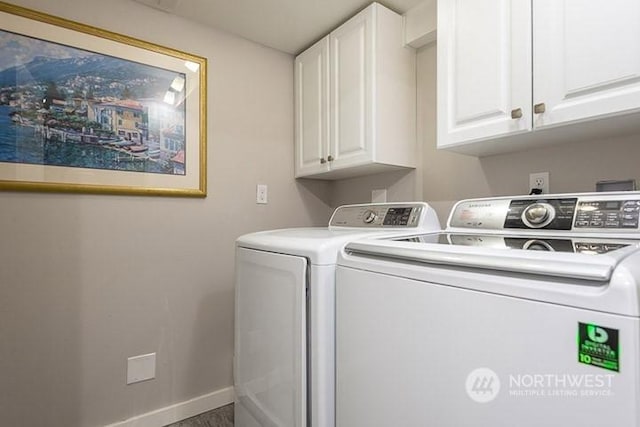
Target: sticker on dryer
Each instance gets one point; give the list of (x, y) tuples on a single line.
[(598, 346)]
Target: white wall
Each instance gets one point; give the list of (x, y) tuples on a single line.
[(87, 281)]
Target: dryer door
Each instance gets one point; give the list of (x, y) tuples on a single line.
[(270, 339)]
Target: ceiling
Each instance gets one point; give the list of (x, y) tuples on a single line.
[(287, 25)]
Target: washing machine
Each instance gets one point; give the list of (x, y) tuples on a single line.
[(284, 359), (524, 311)]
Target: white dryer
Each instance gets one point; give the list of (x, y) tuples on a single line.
[(524, 312), (284, 354)]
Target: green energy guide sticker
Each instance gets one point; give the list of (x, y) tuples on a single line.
[(598, 346)]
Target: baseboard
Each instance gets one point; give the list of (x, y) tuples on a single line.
[(180, 411)]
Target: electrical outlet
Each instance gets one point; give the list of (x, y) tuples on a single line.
[(261, 194), (379, 196), (141, 368), (539, 180)]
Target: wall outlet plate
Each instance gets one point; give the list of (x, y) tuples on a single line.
[(379, 196), (261, 194), (540, 181), (141, 368)]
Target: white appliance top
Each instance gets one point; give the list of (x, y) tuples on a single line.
[(322, 244), (569, 241)]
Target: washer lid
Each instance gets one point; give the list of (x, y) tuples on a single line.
[(578, 258)]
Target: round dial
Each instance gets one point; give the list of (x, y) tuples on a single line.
[(369, 217), (538, 215)]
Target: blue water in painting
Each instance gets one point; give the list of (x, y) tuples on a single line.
[(21, 144)]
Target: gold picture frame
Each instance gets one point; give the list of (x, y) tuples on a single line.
[(87, 110)]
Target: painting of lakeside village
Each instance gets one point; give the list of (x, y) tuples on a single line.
[(63, 106)]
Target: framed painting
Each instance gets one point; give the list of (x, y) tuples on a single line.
[(86, 110)]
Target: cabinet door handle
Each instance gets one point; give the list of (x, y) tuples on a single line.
[(539, 108), (516, 113), (330, 158), (323, 161)]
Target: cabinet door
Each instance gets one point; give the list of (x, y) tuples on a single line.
[(587, 59), (312, 109), (484, 69), (351, 90)]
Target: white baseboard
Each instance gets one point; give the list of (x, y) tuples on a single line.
[(180, 411)]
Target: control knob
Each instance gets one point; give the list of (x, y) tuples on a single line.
[(538, 215), (369, 217)]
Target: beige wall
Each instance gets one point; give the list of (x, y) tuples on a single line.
[(446, 177), (87, 281)]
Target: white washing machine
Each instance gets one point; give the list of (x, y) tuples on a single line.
[(284, 315), (524, 312)]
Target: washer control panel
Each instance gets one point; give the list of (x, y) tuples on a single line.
[(608, 214), (554, 214), (379, 215), (614, 212)]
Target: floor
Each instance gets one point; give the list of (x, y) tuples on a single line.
[(221, 417)]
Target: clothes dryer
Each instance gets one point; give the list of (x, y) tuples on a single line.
[(284, 314)]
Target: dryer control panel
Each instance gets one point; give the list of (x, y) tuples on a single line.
[(586, 212), (380, 215)]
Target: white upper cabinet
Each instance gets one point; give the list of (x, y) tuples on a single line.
[(586, 59), (312, 102), (484, 69), (355, 99), (351, 85), (508, 69)]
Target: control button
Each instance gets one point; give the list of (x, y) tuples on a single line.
[(596, 223), (612, 224), (630, 224), (582, 223), (369, 217)]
